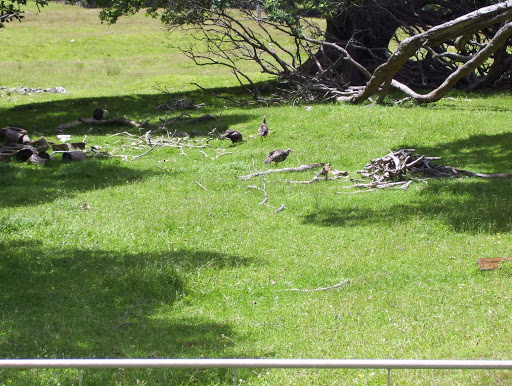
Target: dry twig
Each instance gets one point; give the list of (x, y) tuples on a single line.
[(320, 288)]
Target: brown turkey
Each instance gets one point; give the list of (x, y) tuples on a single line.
[(233, 135), (263, 129), (277, 156)]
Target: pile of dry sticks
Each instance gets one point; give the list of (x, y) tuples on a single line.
[(400, 168)]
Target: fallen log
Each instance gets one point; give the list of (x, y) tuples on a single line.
[(73, 156), (25, 153), (40, 144), (4, 131), (4, 157), (36, 160), (12, 136)]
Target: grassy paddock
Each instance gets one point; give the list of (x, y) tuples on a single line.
[(159, 267)]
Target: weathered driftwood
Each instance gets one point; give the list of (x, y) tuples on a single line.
[(295, 169), (73, 156)]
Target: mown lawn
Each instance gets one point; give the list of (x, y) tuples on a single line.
[(134, 259)]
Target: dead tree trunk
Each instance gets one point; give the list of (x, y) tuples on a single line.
[(468, 24)]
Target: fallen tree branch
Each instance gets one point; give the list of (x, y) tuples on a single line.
[(201, 186), (146, 152), (295, 169), (264, 202), (320, 288), (323, 174), (280, 209)]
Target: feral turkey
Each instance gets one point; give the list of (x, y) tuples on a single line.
[(233, 135), (263, 129), (277, 156)]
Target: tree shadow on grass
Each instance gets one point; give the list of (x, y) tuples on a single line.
[(45, 116), (465, 204), (23, 185), (75, 303)]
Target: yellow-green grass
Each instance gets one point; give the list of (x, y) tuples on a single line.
[(156, 266)]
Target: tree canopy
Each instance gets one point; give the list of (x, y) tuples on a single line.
[(335, 49)]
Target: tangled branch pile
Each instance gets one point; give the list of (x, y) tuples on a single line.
[(397, 169)]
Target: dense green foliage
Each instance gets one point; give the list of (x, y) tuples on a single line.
[(156, 266), (12, 10)]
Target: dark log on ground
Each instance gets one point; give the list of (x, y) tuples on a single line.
[(99, 114), (45, 155), (4, 157), (3, 131), (62, 147), (12, 136), (40, 144), (69, 125), (36, 160), (11, 148), (73, 156), (25, 153), (78, 145)]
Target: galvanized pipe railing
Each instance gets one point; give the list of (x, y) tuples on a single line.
[(256, 363)]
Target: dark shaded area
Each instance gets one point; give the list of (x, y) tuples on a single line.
[(467, 205), (76, 303), (23, 185), (482, 153), (44, 117)]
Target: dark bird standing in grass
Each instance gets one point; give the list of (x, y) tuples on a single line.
[(263, 129), (233, 135), (277, 156)]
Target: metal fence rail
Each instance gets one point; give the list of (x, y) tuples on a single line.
[(388, 364)]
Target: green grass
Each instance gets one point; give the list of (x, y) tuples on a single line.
[(159, 267)]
